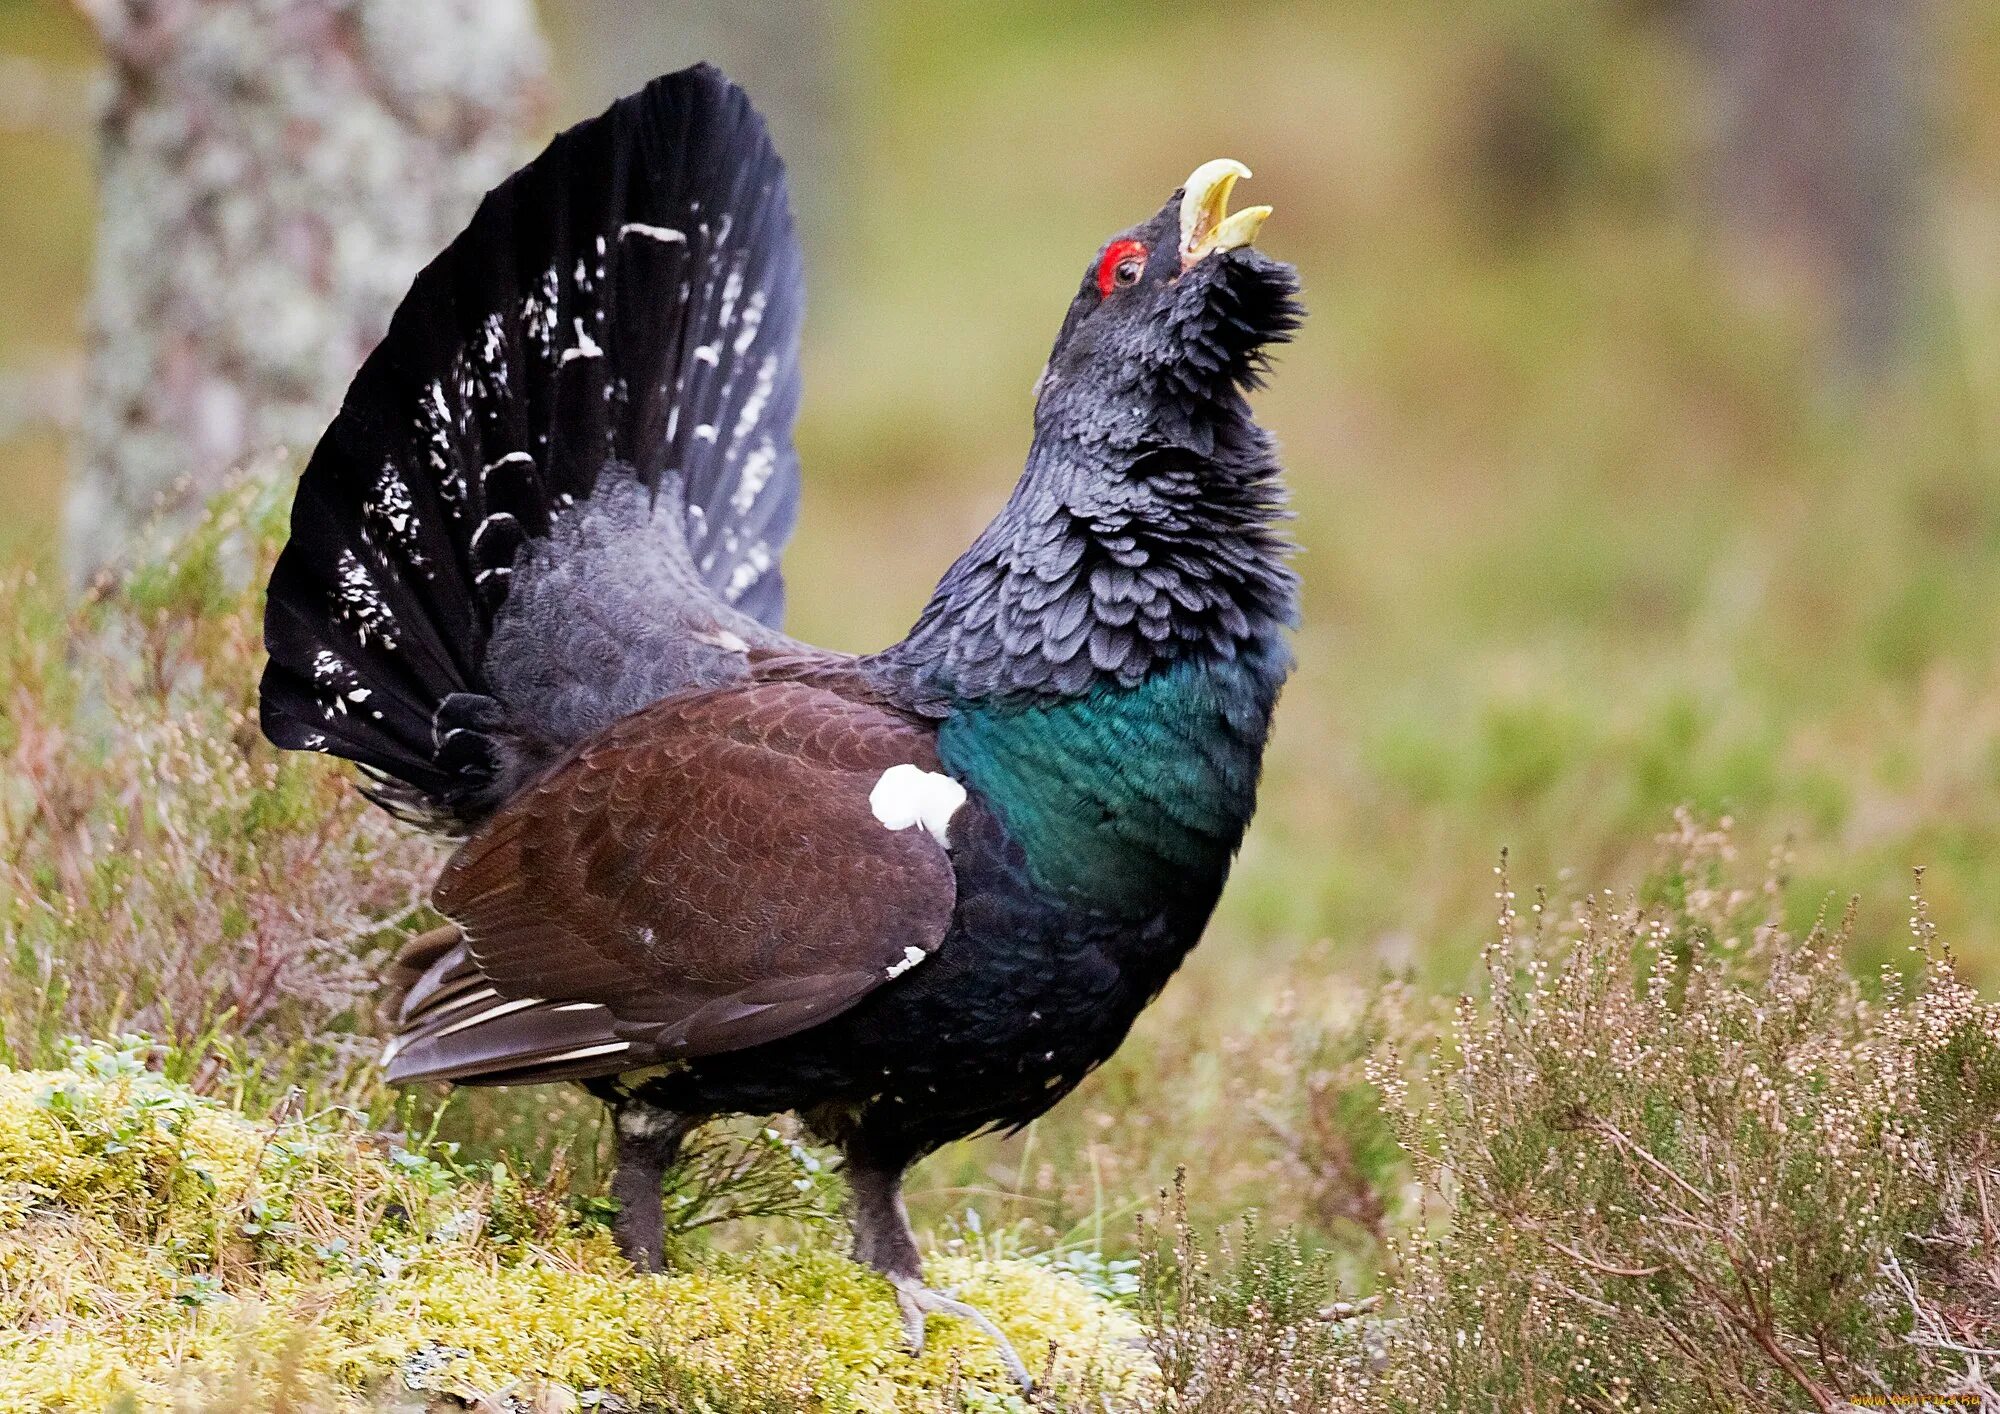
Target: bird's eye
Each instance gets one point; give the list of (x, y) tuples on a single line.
[(1123, 263)]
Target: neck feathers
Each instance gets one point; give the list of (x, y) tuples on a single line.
[(1106, 566)]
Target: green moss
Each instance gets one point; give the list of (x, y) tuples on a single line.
[(157, 1246)]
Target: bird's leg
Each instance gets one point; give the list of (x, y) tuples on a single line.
[(648, 1142), (883, 1240)]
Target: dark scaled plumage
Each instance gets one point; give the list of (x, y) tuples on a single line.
[(532, 589), (618, 324)]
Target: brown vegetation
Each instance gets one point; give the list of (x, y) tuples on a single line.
[(1674, 1156)]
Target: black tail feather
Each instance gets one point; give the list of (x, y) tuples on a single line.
[(632, 296)]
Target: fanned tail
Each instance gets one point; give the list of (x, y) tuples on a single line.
[(569, 459)]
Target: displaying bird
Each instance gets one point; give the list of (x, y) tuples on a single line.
[(532, 588)]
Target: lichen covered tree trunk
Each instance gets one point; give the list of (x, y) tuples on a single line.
[(1819, 158), (271, 174)]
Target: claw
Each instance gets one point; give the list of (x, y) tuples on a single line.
[(917, 1301)]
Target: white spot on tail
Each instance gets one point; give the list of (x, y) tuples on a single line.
[(586, 347), (909, 795), (392, 505), (910, 958), (756, 560), (492, 342), (753, 316), (361, 603), (485, 525), (757, 469), (538, 310), (760, 394), (664, 234), (510, 458)]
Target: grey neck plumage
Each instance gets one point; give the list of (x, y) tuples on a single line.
[(1107, 564)]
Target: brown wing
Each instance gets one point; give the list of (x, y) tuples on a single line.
[(705, 875)]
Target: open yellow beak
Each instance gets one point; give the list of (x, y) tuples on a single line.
[(1207, 224)]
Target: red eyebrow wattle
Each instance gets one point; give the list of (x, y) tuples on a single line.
[(1115, 255)]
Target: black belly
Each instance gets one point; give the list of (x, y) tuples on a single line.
[(1025, 996)]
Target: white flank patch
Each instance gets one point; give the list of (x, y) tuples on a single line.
[(652, 233), (911, 957), (909, 795)]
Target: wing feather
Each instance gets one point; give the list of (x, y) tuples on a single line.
[(705, 876)]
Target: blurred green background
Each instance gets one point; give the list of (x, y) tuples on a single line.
[(1612, 497)]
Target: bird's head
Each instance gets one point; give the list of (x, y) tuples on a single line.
[(1144, 530), (1171, 321)]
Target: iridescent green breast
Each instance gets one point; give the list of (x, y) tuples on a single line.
[(1126, 797)]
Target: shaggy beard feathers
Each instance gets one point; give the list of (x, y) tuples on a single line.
[(1221, 330), (1093, 575)]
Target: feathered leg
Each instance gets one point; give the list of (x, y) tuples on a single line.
[(883, 1240), (648, 1141)]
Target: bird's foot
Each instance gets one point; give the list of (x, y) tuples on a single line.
[(917, 1301)]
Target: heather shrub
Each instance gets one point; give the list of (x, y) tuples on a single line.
[(1251, 1324), (1680, 1159), (162, 870), (1675, 1155)]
